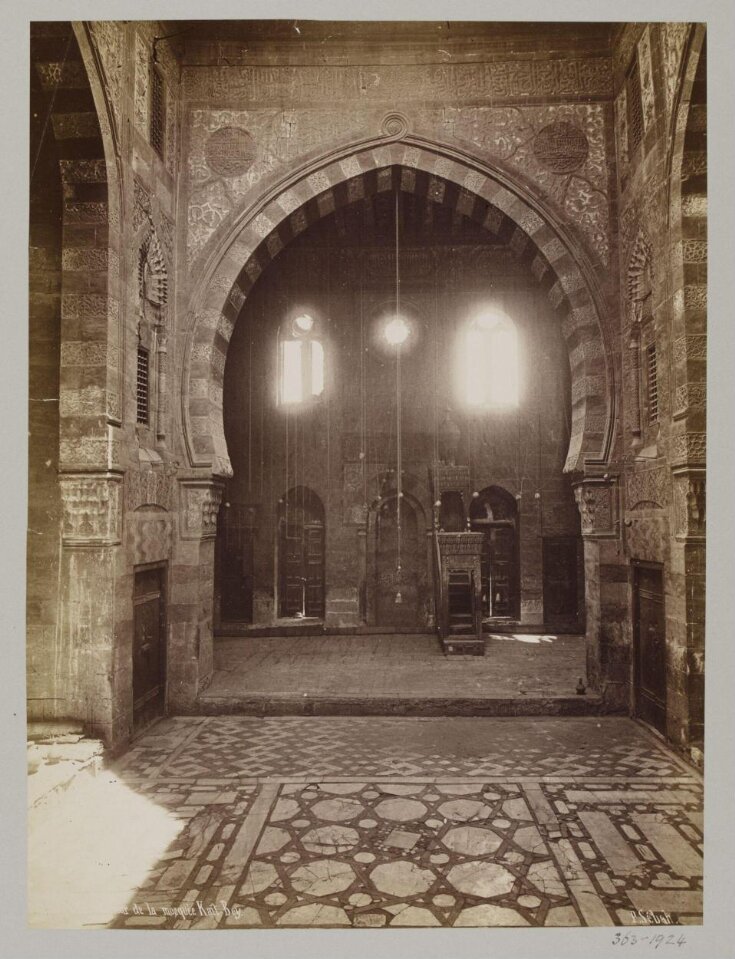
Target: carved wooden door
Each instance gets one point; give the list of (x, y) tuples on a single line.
[(314, 569), (502, 572), (302, 569), (498, 569), (650, 646), (149, 650)]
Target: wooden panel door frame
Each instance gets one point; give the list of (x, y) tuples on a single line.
[(637, 693), (310, 517), (163, 568), (564, 621), (236, 534)]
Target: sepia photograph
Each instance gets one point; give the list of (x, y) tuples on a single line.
[(367, 475)]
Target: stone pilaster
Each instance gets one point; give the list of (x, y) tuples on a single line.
[(191, 608), (609, 639), (85, 679), (686, 613)]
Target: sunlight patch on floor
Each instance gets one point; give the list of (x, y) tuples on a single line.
[(89, 848), (531, 638)]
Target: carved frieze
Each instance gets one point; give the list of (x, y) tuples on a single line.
[(449, 478), (460, 544), (488, 81), (562, 148), (649, 487), (689, 448), (142, 204), (639, 272), (108, 38), (140, 89), (150, 535), (646, 72), (91, 509), (152, 272), (199, 508), (151, 487), (166, 235), (673, 40)]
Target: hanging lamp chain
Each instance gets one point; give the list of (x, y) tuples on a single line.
[(399, 450)]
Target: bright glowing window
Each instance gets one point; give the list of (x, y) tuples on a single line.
[(488, 373), (300, 362)]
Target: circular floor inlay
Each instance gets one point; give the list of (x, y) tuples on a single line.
[(400, 810), (276, 899), (337, 810), (329, 840), (364, 857), (324, 877), (530, 902), (439, 858), (360, 899)]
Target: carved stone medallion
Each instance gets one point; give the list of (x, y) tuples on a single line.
[(561, 147), (230, 151)]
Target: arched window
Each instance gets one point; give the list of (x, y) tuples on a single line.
[(488, 374), (300, 361)]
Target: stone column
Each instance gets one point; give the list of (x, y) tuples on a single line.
[(87, 684), (607, 591), (191, 607), (362, 566), (685, 614)]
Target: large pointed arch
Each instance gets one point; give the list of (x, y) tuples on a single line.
[(449, 176)]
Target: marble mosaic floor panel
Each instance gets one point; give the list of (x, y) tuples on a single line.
[(370, 747), (607, 832)]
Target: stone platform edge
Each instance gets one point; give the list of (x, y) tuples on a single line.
[(290, 705)]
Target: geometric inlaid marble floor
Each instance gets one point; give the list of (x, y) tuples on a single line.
[(381, 822)]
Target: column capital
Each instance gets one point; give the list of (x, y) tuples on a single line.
[(92, 508), (597, 501), (200, 502)]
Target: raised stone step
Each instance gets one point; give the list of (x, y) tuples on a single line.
[(463, 645), (295, 705)]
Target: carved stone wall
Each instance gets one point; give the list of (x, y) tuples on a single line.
[(561, 149), (663, 254)]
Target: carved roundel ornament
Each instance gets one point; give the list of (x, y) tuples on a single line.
[(230, 151), (561, 147), (394, 126)]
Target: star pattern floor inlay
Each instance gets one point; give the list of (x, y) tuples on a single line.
[(364, 822)]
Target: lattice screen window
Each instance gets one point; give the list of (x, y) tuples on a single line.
[(652, 381), (158, 112), (142, 397), (635, 107)]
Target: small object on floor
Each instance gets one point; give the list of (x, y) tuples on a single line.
[(581, 688)]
